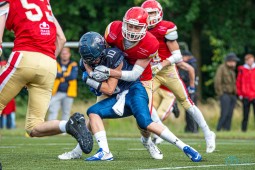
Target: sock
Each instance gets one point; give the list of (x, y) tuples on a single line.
[(155, 117), (146, 140), (77, 149), (199, 118), (62, 126), (168, 136), (102, 141)]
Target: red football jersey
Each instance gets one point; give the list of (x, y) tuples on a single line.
[(32, 22), (146, 48), (159, 31)]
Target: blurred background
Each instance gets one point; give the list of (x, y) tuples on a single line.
[(209, 29)]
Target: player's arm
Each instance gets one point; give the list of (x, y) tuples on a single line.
[(61, 39), (107, 87), (173, 46), (4, 9), (132, 75), (190, 70)]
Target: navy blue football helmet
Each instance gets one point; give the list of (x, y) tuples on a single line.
[(91, 47)]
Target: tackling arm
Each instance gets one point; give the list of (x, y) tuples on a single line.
[(134, 74)]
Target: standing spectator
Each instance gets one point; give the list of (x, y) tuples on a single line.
[(65, 86), (191, 125), (225, 88), (8, 114), (245, 85)]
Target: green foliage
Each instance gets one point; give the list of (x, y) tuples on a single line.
[(231, 23)]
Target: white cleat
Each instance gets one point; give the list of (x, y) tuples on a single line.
[(157, 140), (153, 149), (210, 142), (70, 155)]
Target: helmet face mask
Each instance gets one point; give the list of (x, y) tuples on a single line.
[(135, 24), (91, 48), (155, 12)]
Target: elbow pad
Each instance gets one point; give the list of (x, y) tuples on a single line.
[(172, 36), (132, 75), (176, 57)]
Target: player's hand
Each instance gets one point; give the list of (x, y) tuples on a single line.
[(101, 73), (85, 75), (81, 65), (191, 90), (240, 97), (1, 50), (156, 68)]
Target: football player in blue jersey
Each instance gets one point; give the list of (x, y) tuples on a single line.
[(125, 99)]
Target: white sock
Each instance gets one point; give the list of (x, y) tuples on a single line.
[(102, 141), (62, 126), (146, 140), (168, 136), (199, 118), (77, 149), (155, 117)]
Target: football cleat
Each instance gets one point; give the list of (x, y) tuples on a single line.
[(101, 156), (192, 154), (210, 142), (70, 155), (157, 140), (76, 127), (153, 149), (176, 110)]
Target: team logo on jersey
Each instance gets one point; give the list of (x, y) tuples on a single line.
[(44, 28)]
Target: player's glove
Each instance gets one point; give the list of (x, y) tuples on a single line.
[(156, 68), (101, 73), (191, 90), (1, 50)]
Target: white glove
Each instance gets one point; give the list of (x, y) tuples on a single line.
[(101, 73), (156, 68)]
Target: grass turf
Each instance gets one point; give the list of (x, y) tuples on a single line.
[(20, 152)]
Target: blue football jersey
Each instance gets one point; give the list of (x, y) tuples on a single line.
[(112, 59)]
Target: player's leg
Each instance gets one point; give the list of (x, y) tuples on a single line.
[(175, 84), (137, 105), (97, 112), (55, 104), (166, 104), (136, 94), (67, 103), (40, 89), (12, 79)]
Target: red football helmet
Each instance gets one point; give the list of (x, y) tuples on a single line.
[(153, 6), (135, 17)]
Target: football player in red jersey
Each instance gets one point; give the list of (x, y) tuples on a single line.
[(166, 72), (32, 63), (139, 46)]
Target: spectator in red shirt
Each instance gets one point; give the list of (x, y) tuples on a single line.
[(245, 85), (9, 113)]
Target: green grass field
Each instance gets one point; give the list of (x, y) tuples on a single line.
[(20, 152), (235, 149)]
